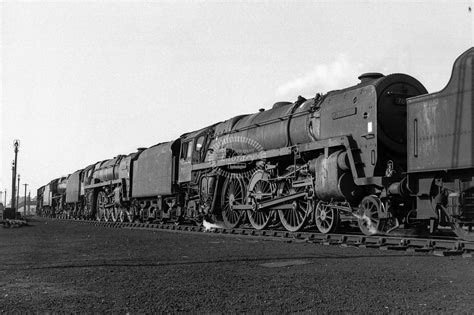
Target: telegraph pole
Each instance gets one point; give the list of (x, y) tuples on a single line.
[(29, 202), (24, 202), (5, 197), (18, 195), (16, 145)]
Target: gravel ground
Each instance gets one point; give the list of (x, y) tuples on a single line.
[(71, 267)]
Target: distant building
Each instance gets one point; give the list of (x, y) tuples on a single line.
[(30, 206), (32, 209)]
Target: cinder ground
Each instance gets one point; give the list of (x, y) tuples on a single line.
[(70, 267)]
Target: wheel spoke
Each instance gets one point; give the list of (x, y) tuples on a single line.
[(301, 214), (294, 219), (261, 189), (232, 193)]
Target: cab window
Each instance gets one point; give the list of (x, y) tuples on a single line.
[(190, 151), (184, 150), (199, 143)]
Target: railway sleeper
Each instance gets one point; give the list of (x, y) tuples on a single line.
[(437, 247)]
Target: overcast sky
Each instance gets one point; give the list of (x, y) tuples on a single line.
[(85, 81)]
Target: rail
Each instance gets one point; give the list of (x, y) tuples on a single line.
[(438, 246)]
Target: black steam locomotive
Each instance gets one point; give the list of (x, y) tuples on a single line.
[(382, 154)]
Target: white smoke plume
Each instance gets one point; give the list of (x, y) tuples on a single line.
[(370, 225), (208, 226), (340, 73)]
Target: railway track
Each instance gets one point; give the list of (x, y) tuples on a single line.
[(438, 246)]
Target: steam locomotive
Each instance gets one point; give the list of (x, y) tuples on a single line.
[(380, 155)]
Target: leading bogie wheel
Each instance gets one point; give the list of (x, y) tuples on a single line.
[(233, 193), (369, 219), (326, 217)]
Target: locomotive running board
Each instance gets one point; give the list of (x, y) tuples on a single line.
[(338, 141), (102, 184), (272, 203)]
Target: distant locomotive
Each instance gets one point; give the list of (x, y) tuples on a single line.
[(382, 154)]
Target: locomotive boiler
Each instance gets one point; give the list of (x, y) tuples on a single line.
[(331, 151)]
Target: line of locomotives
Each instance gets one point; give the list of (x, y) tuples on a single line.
[(380, 155)]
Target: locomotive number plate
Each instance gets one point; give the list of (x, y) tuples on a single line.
[(344, 113)]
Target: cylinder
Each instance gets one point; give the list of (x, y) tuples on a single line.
[(332, 181)]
